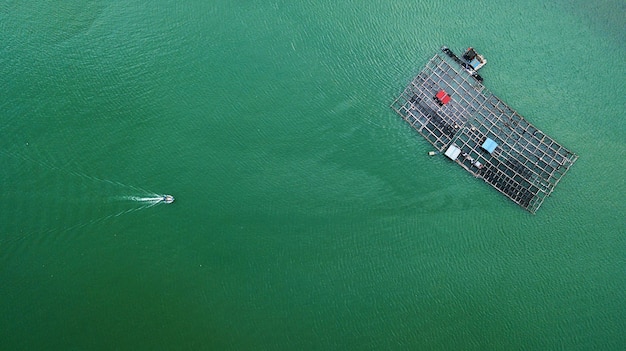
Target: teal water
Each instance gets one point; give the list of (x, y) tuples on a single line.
[(308, 214)]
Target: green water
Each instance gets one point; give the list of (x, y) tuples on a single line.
[(308, 215)]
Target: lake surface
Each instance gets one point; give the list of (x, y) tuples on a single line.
[(308, 215)]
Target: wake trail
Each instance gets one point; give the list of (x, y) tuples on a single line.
[(143, 199), (52, 166), (146, 202)]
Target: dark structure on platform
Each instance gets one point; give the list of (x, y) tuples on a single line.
[(448, 104)]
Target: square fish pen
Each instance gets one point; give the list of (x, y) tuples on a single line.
[(448, 105)]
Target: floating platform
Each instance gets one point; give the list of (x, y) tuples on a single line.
[(448, 105)]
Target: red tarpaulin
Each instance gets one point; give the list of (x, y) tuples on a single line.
[(443, 97)]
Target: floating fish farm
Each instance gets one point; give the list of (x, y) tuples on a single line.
[(448, 105)]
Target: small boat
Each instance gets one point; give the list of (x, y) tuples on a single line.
[(168, 199)]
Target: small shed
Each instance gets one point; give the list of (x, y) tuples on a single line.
[(453, 152), (443, 97), (489, 145), (475, 63)]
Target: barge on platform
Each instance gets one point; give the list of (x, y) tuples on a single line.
[(448, 105)]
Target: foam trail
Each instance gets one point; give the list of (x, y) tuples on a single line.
[(152, 199)]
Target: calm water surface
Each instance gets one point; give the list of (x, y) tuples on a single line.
[(308, 215)]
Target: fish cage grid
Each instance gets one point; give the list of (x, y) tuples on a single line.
[(525, 165)]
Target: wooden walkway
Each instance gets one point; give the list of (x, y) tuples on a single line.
[(525, 165)]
